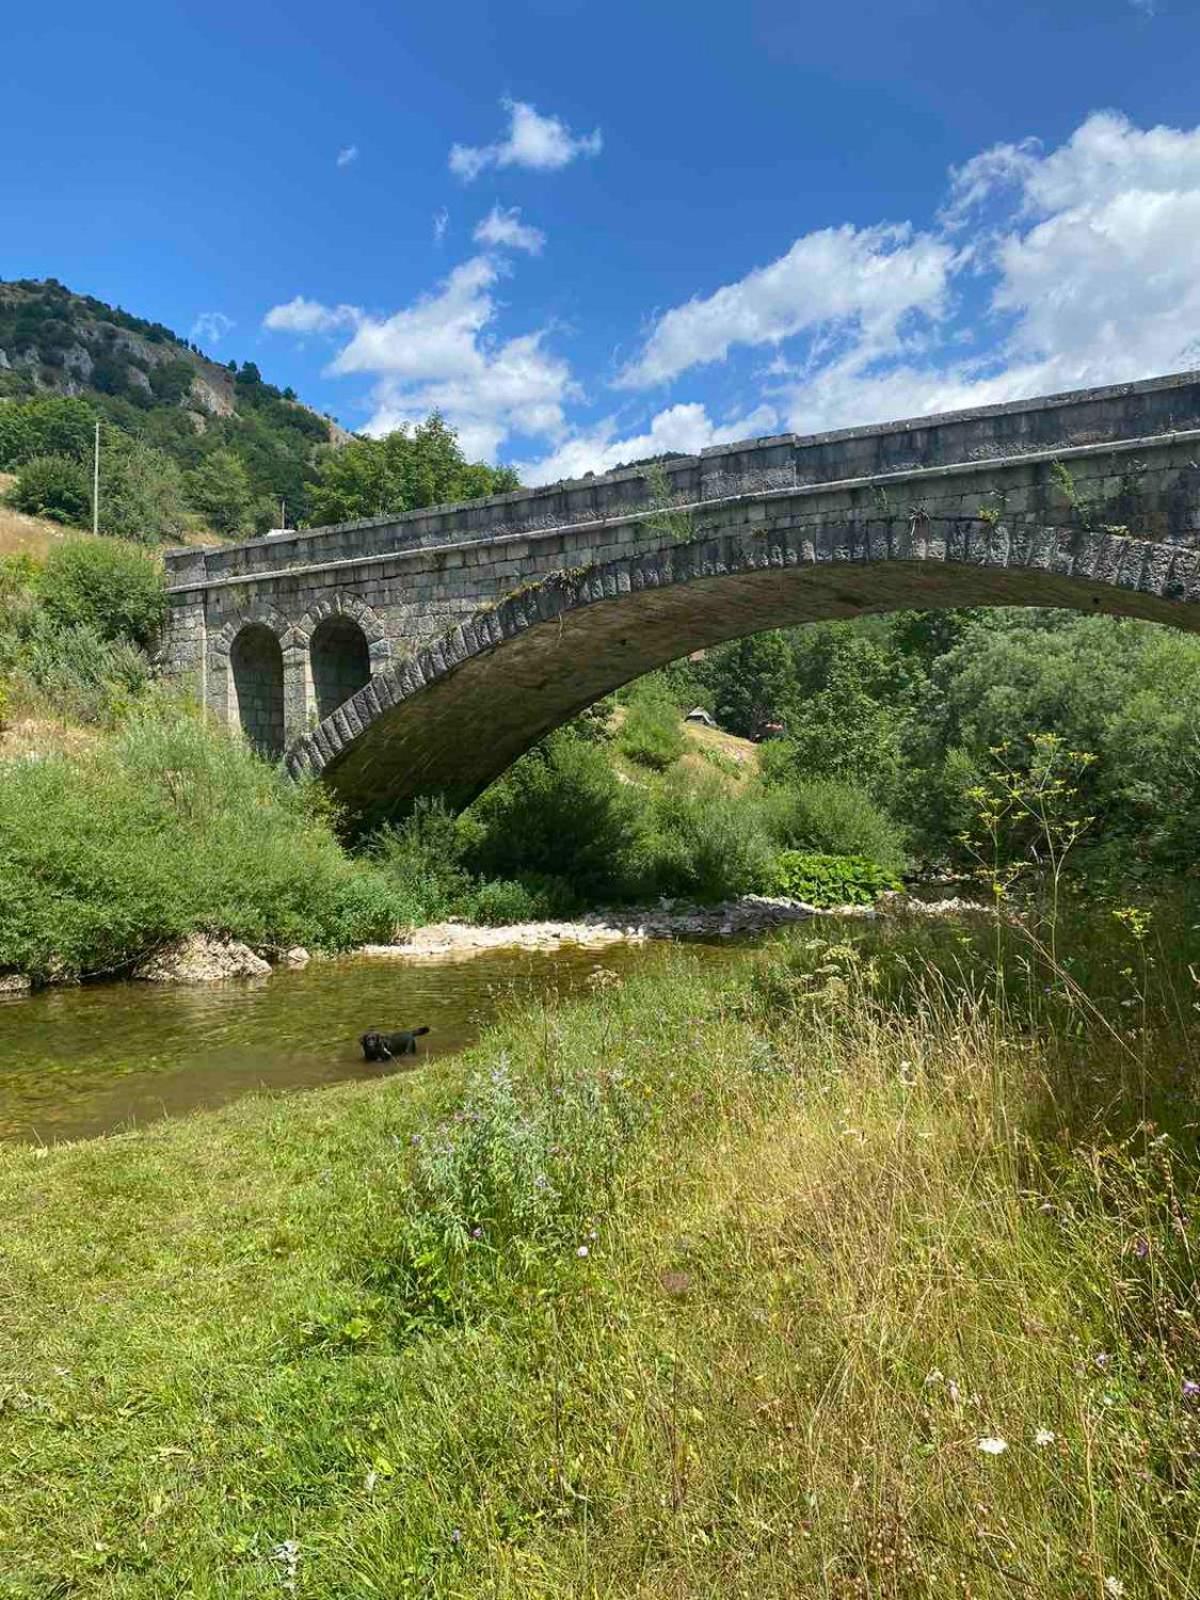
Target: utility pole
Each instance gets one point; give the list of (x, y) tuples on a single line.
[(96, 482), (283, 513)]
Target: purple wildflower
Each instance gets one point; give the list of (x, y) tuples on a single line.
[(1141, 1247), (1190, 1388), (1103, 1359), (477, 1233)]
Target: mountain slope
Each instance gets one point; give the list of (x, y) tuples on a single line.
[(157, 388)]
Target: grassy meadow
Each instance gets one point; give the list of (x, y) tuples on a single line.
[(843, 1269)]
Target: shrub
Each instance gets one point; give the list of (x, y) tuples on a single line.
[(652, 734), (504, 900), (50, 425), (105, 585), (708, 842), (166, 830), (833, 817), (82, 675), (54, 487), (560, 812), (822, 880), (421, 859)]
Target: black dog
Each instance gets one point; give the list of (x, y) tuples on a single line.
[(378, 1046)]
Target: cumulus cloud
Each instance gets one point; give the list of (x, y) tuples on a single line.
[(868, 279), (440, 353), (347, 155), (542, 144), (309, 316), (505, 229), (1047, 269), (210, 327), (685, 427)]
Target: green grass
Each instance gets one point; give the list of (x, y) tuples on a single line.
[(843, 1220)]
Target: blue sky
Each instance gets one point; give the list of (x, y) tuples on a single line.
[(589, 232)]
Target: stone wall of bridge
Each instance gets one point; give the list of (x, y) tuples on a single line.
[(1122, 458)]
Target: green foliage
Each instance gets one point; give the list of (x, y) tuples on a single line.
[(141, 492), (822, 880), (55, 487), (831, 817), (400, 472), (49, 425), (219, 488), (652, 734), (112, 588), (708, 843), (560, 812), (166, 830)]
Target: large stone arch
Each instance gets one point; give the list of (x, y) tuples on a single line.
[(452, 717)]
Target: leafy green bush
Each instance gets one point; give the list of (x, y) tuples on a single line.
[(141, 492), (833, 817), (708, 843), (49, 425), (651, 733), (821, 880), (103, 584), (421, 859), (82, 676), (54, 487), (169, 829), (503, 900), (561, 812)]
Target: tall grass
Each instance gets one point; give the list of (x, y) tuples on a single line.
[(169, 828), (805, 1275)]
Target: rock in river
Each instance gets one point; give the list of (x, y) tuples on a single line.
[(202, 959)]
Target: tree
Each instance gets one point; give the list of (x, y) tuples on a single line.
[(55, 487), (141, 491), (219, 489), (401, 472), (50, 425)]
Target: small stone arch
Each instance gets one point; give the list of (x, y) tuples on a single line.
[(346, 643), (256, 686)]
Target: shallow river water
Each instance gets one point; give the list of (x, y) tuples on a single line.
[(79, 1062)]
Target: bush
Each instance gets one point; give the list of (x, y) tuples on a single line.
[(504, 900), (54, 487), (107, 586), (821, 880), (170, 829), (51, 425), (560, 812), (421, 859), (708, 843), (82, 675), (836, 818), (652, 734)]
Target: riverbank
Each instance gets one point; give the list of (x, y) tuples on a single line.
[(801, 1274)]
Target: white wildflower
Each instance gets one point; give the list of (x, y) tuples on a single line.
[(1043, 1436), (993, 1447), (935, 1376), (1115, 1587)]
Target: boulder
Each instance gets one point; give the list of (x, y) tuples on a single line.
[(202, 959), (15, 983)]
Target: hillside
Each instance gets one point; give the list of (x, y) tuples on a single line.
[(155, 387)]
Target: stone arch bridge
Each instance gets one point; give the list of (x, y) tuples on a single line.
[(424, 653)]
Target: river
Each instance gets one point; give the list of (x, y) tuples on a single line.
[(78, 1062)]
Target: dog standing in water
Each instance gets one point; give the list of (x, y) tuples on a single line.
[(377, 1046)]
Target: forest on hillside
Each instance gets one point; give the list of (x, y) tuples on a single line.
[(189, 445)]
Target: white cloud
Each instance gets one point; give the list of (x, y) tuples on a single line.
[(347, 155), (1049, 270), (1146, 7), (440, 353), (210, 327), (867, 280), (441, 221), (543, 144), (310, 316), (686, 428), (505, 229)]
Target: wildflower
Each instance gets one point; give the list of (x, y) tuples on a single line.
[(371, 1479), (1190, 1388), (1043, 1437), (935, 1376), (593, 1234), (1114, 1587), (477, 1233), (993, 1447), (582, 1251), (455, 1535), (1103, 1359), (1141, 1247)]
